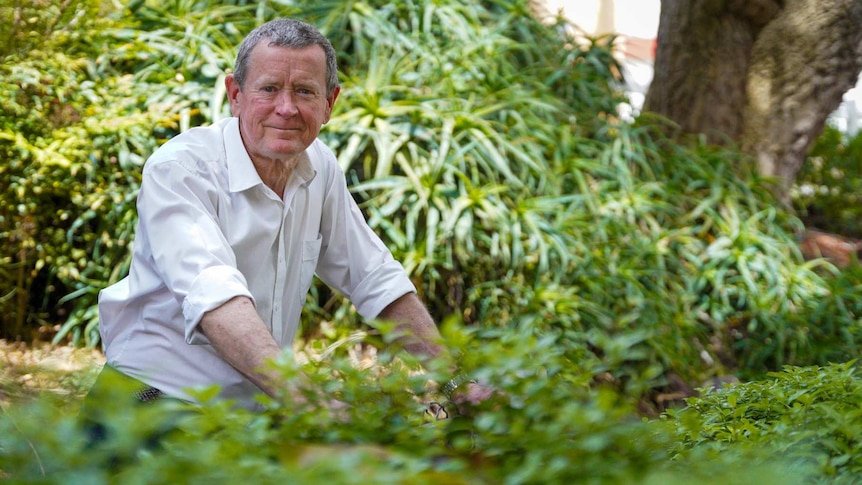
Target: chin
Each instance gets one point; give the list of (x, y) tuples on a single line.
[(283, 151)]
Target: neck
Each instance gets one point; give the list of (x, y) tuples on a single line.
[(275, 172)]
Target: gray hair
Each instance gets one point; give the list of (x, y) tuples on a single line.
[(286, 33)]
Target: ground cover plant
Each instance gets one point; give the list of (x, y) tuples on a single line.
[(808, 415), (592, 270), (546, 426)]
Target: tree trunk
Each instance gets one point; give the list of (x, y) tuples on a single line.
[(761, 73), (802, 64), (701, 61)]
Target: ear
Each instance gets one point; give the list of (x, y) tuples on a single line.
[(233, 91), (330, 103)]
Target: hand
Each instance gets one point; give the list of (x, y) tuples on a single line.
[(460, 397), (470, 394), (340, 411)]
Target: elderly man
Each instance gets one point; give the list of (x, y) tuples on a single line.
[(234, 221)]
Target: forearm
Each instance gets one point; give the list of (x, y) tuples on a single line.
[(239, 335), (419, 335), (416, 330)]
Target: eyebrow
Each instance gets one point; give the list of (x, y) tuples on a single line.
[(305, 83)]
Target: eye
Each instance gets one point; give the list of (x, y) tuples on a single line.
[(269, 89), (305, 93)]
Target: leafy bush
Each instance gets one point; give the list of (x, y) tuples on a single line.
[(546, 426), (810, 416), (516, 200)]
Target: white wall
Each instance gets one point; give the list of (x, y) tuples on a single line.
[(635, 18), (848, 116)]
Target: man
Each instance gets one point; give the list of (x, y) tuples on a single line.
[(234, 221)]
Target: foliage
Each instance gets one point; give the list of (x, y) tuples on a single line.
[(578, 262), (531, 207), (545, 426), (808, 415), (448, 172), (485, 149), (73, 133), (828, 185)]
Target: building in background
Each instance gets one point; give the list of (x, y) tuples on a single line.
[(635, 22)]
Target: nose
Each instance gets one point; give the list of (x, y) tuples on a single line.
[(286, 103)]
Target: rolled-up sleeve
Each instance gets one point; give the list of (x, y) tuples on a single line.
[(380, 288), (213, 287), (353, 259)]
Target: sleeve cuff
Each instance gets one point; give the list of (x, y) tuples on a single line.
[(380, 288), (212, 288)]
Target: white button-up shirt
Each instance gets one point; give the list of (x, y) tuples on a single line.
[(209, 230)]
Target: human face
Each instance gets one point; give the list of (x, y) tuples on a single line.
[(284, 103)]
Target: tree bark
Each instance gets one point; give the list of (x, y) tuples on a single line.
[(764, 74), (802, 63), (701, 61)]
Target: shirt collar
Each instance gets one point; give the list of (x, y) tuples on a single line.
[(241, 172), (304, 170)]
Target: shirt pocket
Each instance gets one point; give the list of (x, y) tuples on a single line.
[(310, 255)]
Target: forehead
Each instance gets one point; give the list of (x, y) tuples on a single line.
[(308, 62)]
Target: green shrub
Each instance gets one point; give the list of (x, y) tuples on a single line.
[(808, 416), (545, 426), (73, 134)]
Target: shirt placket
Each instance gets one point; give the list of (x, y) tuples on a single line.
[(284, 257), (280, 280)]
